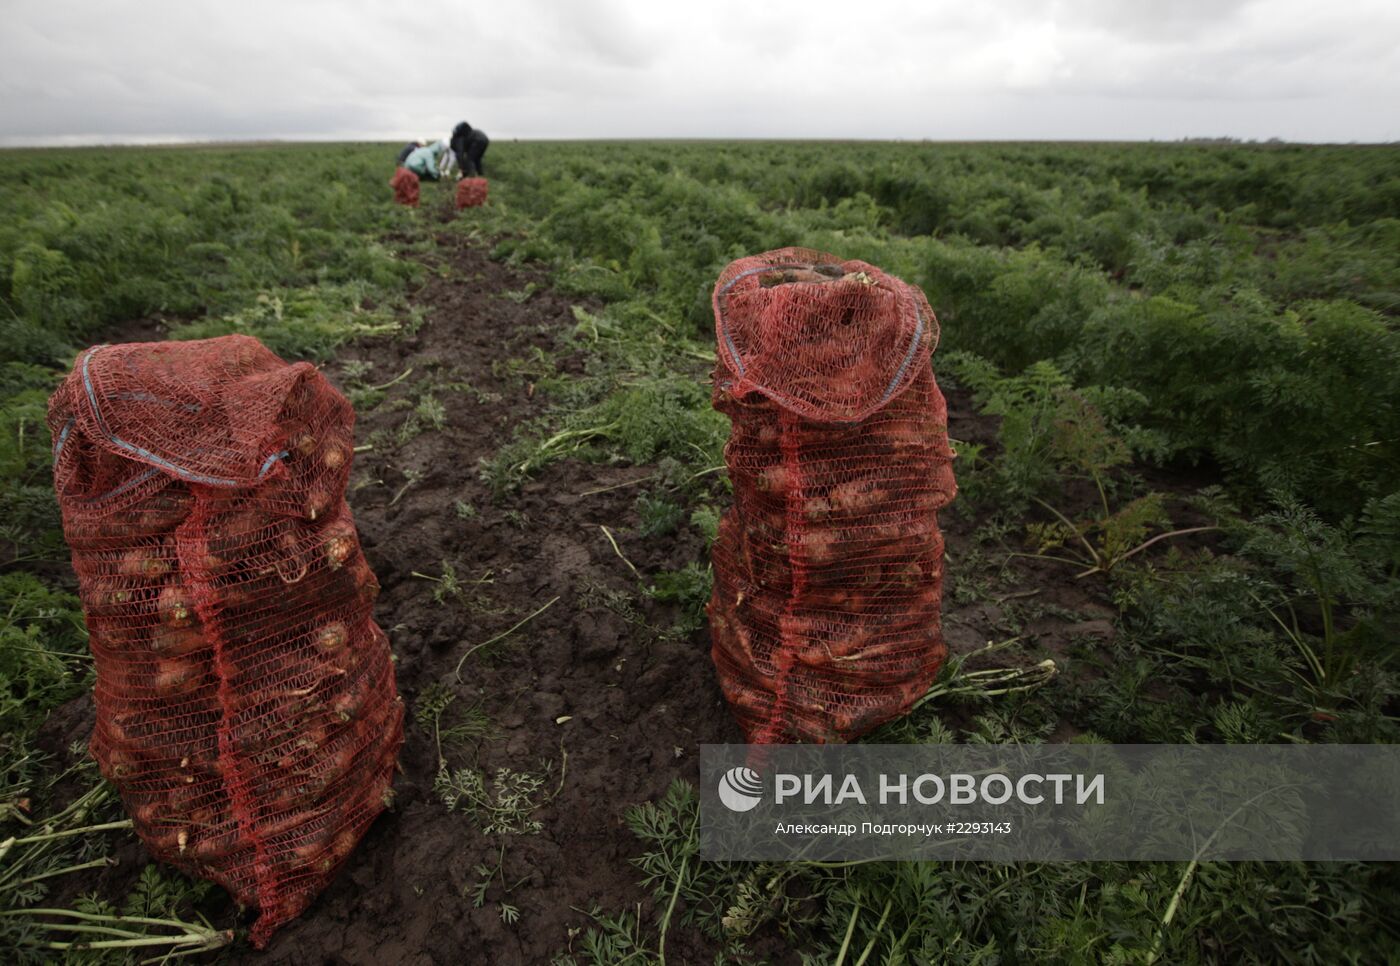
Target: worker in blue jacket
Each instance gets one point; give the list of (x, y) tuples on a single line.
[(430, 162)]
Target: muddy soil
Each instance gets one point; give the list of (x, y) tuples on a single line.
[(595, 690), (612, 709)]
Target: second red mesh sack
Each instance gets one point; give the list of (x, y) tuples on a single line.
[(246, 704), (825, 615), (471, 192), (405, 185)]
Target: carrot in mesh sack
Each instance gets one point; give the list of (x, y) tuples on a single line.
[(246, 704), (825, 615), (471, 192), (405, 185)]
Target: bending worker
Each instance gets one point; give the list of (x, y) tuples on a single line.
[(429, 162), (469, 145)]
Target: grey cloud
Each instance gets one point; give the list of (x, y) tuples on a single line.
[(1153, 21), (607, 32), (128, 69)]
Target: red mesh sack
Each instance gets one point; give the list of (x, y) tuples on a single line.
[(828, 567), (471, 192), (405, 185), (246, 703)]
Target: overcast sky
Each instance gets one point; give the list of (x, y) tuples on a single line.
[(105, 71)]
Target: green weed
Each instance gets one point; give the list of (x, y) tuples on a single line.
[(658, 516), (687, 588), (470, 593), (503, 804), (451, 728), (44, 659)]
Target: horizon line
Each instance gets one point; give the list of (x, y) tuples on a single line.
[(184, 141)]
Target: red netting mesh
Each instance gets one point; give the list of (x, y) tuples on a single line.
[(828, 567), (471, 192), (405, 185), (246, 704)]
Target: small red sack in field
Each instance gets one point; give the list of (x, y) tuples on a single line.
[(246, 704), (471, 192), (825, 615), (405, 185)]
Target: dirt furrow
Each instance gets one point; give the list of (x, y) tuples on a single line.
[(612, 709)]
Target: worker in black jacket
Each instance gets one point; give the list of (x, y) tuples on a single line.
[(469, 145)]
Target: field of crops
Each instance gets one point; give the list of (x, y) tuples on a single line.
[(1173, 376)]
